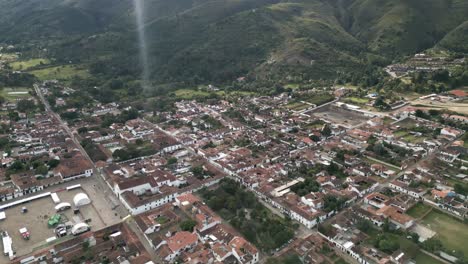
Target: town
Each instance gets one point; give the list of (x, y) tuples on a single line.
[(316, 175)]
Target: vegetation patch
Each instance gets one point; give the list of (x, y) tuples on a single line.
[(418, 210), (13, 94), (452, 232), (191, 94), (64, 72), (244, 212), (28, 64)]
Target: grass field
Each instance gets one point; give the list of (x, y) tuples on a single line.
[(451, 106), (26, 64), (450, 231), (189, 94), (13, 93), (356, 100), (422, 258), (320, 99), (418, 210), (64, 72), (406, 136), (297, 106), (292, 86)]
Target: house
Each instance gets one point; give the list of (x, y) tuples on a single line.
[(175, 245), (450, 132), (377, 200), (396, 216), (152, 221), (76, 166), (458, 118)]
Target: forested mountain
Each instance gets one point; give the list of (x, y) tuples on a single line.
[(195, 41)]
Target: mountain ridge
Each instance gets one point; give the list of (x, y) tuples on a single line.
[(196, 41)]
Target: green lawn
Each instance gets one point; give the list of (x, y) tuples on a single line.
[(189, 94), (297, 106), (356, 100), (292, 86), (26, 64), (64, 72), (341, 261), (406, 136), (418, 210), (13, 93), (450, 231), (426, 259), (320, 99)]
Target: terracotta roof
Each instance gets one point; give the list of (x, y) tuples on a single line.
[(458, 93), (181, 240)]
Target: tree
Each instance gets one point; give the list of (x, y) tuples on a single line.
[(420, 113), (326, 131), (188, 225), (461, 189), (198, 171), (364, 225), (17, 166), (116, 84), (380, 150), (432, 245), (171, 160), (388, 245), (42, 170), (314, 138), (25, 106), (53, 163), (82, 130), (4, 142)]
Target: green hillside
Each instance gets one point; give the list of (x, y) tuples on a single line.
[(457, 39), (199, 41)]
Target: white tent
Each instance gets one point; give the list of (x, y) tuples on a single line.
[(62, 206), (79, 228), (81, 199)]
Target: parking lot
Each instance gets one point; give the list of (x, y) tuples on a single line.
[(99, 213)]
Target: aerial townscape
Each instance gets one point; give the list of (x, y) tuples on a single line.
[(233, 132)]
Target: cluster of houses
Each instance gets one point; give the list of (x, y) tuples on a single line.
[(307, 164), (41, 154), (210, 241), (422, 62)]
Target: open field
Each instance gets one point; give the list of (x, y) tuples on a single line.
[(418, 210), (423, 258), (450, 231), (297, 106), (64, 72), (189, 94), (26, 64), (451, 106), (408, 137), (337, 116), (14, 93), (372, 160), (356, 100)]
